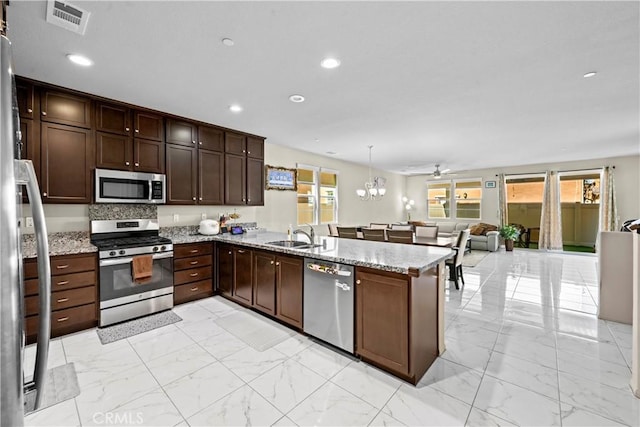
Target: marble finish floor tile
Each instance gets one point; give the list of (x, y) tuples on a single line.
[(522, 347), (466, 354), (322, 360), (453, 379), (223, 345), (385, 420), (594, 369), (606, 351), (368, 383), (63, 414), (529, 375), (161, 345), (478, 418), (250, 363), (177, 364), (575, 417), (106, 365), (331, 405)]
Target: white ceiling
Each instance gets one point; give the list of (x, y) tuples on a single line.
[(465, 84)]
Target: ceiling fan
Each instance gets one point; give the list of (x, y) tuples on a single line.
[(437, 174)]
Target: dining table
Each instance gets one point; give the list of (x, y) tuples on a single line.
[(443, 242)]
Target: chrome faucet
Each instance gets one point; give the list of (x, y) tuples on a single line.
[(311, 235)]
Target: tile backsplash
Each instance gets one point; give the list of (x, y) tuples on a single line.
[(122, 211)]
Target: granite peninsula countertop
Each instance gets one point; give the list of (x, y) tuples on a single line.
[(395, 257), (67, 243)]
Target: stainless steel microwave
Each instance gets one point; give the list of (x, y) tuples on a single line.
[(129, 187)]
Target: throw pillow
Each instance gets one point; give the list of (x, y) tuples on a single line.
[(477, 230), (488, 227)]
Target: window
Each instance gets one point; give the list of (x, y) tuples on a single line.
[(317, 195), (583, 188), (439, 199), (468, 196)]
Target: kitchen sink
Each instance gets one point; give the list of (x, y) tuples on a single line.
[(292, 244)]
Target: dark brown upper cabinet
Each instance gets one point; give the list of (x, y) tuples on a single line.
[(235, 179), (148, 156), (24, 93), (181, 132), (235, 143), (148, 126), (210, 138), (182, 174), (114, 151), (255, 147), (244, 170), (210, 177), (255, 182), (66, 109), (113, 118)]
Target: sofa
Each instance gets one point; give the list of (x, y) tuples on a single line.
[(486, 241)]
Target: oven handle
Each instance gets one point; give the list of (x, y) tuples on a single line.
[(127, 260)]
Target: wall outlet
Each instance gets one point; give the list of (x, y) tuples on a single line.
[(176, 217), (203, 216), (29, 221)]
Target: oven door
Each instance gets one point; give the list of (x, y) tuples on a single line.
[(118, 287)]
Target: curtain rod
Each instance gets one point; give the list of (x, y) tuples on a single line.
[(572, 170)]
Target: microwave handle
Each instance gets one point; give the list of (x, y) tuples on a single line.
[(150, 198), (127, 260)]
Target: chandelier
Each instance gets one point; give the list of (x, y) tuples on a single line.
[(374, 188)]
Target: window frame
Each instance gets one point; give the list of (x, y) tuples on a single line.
[(316, 193), (440, 181), (452, 200)]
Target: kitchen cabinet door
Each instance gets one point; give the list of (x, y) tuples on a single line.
[(235, 143), (114, 151), (255, 147), (382, 320), (210, 177), (210, 138), (148, 126), (225, 270), (113, 118), (234, 179), (264, 282), (30, 149), (242, 269), (67, 157), (289, 290), (181, 132), (148, 155), (255, 182), (65, 108), (24, 93), (181, 174)]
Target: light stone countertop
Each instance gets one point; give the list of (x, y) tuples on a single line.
[(68, 243), (395, 257)]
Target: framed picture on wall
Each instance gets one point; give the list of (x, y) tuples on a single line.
[(489, 184), (278, 178)]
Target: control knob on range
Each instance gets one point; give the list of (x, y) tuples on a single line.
[(155, 249), (112, 253), (164, 248), (121, 252)]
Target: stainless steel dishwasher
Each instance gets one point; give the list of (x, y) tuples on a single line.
[(328, 302)]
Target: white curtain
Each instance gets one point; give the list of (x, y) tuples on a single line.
[(502, 199), (551, 218), (608, 209)]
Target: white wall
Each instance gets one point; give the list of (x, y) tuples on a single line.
[(279, 209), (626, 175)]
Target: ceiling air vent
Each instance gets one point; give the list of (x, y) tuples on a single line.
[(67, 16)]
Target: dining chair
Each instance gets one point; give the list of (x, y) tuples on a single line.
[(373, 234), (333, 230), (455, 263), (400, 236), (378, 226), (402, 227), (427, 231), (348, 232)]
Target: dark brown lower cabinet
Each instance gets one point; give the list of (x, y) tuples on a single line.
[(289, 290), (264, 282), (242, 272), (397, 320), (192, 272), (225, 270)]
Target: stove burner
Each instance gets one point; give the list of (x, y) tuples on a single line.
[(130, 242)]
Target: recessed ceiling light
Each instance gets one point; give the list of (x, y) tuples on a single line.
[(590, 74), (296, 98), (228, 42), (235, 108), (330, 63), (79, 60)]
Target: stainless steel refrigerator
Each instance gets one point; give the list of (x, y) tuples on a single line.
[(15, 174)]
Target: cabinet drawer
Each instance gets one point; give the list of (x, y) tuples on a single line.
[(191, 275), (64, 321), (62, 300), (182, 251), (72, 265), (31, 287), (191, 291), (62, 282), (198, 261), (30, 270)]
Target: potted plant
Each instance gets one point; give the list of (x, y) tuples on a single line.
[(509, 233)]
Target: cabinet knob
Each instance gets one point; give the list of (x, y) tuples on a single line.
[(44, 113), (194, 198), (137, 131), (278, 263), (358, 282), (248, 152), (193, 142), (229, 252), (200, 198), (249, 200), (200, 143), (44, 194), (126, 129), (126, 163), (244, 151), (137, 164), (29, 110), (244, 200), (272, 262)]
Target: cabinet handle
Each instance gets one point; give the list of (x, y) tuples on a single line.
[(200, 142), (137, 131), (241, 251), (64, 282), (126, 163), (278, 263), (137, 164), (194, 251), (126, 129), (193, 274), (62, 267), (44, 113), (63, 319), (193, 262), (63, 300), (358, 282), (29, 110), (193, 289), (271, 262)]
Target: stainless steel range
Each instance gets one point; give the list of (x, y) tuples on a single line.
[(121, 244)]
